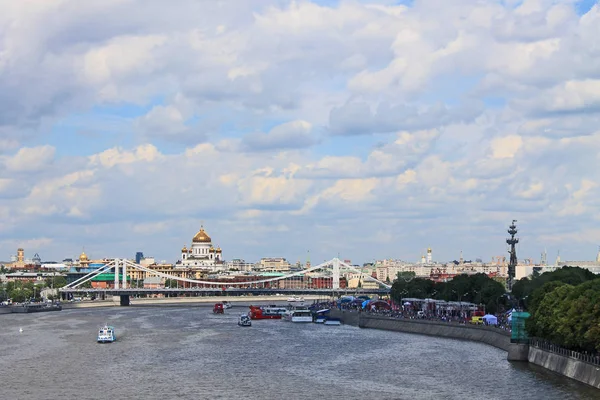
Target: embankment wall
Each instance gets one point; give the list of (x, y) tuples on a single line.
[(567, 366), (492, 336)]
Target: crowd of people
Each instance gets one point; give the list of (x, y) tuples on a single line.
[(469, 314)]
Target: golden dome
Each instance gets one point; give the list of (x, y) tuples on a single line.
[(184, 250), (201, 237), (211, 250), (219, 250), (83, 257), (429, 249)]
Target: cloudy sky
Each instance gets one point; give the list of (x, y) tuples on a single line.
[(369, 129)]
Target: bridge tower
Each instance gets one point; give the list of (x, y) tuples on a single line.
[(117, 262), (512, 241), (336, 274)]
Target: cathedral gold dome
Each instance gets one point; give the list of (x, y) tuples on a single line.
[(83, 257), (201, 237)]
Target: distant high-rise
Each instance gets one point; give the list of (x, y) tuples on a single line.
[(544, 258), (138, 257), (429, 256)]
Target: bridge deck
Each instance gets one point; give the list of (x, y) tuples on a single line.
[(228, 291)]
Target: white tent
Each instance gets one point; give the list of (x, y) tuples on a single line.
[(490, 319)]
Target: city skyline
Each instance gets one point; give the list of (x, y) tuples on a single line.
[(423, 255), (369, 129)]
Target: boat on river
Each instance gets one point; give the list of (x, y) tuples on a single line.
[(298, 315), (333, 321), (34, 307), (218, 308), (106, 334), (244, 320), (296, 299), (270, 312)]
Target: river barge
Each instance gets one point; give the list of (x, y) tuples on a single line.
[(31, 308)]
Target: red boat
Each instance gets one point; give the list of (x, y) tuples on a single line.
[(266, 312), (218, 308)]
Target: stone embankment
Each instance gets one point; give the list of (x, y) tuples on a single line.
[(574, 368), (492, 336), (581, 371)]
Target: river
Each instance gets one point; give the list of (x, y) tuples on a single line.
[(190, 353)]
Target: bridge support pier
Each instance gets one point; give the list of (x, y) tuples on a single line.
[(124, 300)]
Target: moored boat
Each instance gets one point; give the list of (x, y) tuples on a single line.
[(106, 334), (298, 315), (265, 312), (321, 316), (333, 321)]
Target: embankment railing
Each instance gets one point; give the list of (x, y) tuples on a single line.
[(542, 344)]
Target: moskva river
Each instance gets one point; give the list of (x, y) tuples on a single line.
[(190, 353)]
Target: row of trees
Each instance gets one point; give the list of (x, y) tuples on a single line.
[(525, 287), (22, 291), (477, 288), (564, 307)]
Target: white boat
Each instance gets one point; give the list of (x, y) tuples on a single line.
[(333, 321), (244, 320), (296, 299), (320, 319), (106, 334), (274, 310), (227, 305), (297, 315)]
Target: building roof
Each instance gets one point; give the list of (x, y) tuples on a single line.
[(108, 278), (201, 237)]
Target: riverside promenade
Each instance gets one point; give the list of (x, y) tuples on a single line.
[(565, 363)]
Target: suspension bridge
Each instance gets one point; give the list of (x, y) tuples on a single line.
[(123, 288)]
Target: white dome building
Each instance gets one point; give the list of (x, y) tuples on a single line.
[(202, 253)]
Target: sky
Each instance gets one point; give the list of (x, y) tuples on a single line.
[(299, 129)]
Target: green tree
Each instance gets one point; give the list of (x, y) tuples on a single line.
[(171, 283), (567, 315), (56, 282), (407, 275), (546, 315), (524, 288), (19, 294)]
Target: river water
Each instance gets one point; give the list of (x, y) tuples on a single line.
[(190, 353)]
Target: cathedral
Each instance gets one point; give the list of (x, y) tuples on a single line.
[(202, 253)]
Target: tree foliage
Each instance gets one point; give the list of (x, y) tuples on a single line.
[(524, 288), (567, 315), (56, 282)]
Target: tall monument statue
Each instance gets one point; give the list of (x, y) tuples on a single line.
[(512, 265)]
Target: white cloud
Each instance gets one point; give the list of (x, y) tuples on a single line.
[(291, 125), (290, 135), (30, 159)]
